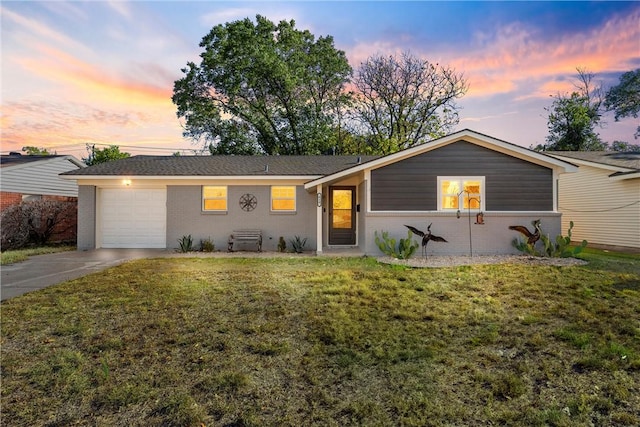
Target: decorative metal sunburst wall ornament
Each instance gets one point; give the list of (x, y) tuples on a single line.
[(248, 202)]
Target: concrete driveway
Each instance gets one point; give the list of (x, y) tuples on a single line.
[(45, 270)]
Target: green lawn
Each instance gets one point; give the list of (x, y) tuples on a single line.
[(324, 341)]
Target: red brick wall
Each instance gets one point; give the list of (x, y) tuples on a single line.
[(9, 199), (61, 198), (66, 230)]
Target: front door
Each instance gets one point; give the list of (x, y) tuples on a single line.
[(342, 215)]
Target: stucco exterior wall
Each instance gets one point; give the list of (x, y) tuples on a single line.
[(494, 237), (86, 217), (185, 216)]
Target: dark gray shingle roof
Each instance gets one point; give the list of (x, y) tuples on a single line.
[(19, 159), (222, 166), (622, 159)]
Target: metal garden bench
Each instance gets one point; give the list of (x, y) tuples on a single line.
[(245, 236)]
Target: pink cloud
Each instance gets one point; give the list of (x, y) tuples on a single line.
[(93, 102), (60, 125), (91, 81), (516, 58)]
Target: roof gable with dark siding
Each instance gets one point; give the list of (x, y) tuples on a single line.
[(512, 184)]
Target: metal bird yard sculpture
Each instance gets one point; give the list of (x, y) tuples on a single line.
[(426, 237), (532, 238)]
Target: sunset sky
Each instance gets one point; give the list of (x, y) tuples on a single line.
[(102, 72)]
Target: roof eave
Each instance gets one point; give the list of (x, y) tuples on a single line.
[(598, 165), (624, 176), (187, 177), (57, 158)]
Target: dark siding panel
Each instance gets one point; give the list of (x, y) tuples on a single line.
[(511, 184)]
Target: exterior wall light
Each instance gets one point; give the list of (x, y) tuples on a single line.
[(480, 218), (126, 182)]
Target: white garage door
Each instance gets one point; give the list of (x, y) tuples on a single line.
[(133, 218)]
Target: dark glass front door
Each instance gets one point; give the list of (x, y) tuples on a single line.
[(342, 215)]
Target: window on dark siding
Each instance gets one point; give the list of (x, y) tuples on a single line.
[(460, 193)]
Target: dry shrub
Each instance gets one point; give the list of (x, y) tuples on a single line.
[(37, 223)]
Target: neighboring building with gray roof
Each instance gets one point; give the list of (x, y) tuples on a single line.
[(30, 177), (602, 198), (332, 201)]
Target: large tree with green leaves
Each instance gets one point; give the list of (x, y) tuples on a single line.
[(624, 98), (37, 151), (107, 154), (403, 101), (262, 88), (573, 118)]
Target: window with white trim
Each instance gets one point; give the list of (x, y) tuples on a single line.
[(214, 198), (460, 193), (283, 198)]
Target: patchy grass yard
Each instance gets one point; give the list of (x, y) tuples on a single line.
[(323, 341)]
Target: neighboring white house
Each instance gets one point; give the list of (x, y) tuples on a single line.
[(602, 198), (29, 177)]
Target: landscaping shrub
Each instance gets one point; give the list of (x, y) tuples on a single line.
[(37, 223), (15, 231), (560, 248), (298, 244), (206, 245), (405, 249), (186, 243), (282, 245)]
